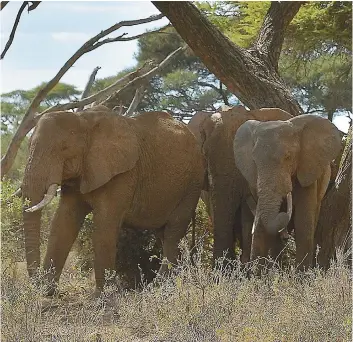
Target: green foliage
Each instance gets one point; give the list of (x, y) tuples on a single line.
[(12, 243), (316, 56), (12, 237), (322, 84), (17, 171), (322, 25), (240, 21), (15, 103)]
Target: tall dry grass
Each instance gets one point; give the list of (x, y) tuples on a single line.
[(193, 304)]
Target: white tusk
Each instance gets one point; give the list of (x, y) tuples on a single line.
[(289, 205), (48, 197), (251, 204), (17, 193)]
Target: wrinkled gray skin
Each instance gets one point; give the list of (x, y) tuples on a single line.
[(226, 190), (280, 157), (144, 172)]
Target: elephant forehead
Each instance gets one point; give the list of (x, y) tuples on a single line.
[(275, 130), (64, 120)]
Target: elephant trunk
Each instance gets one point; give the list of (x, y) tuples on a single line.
[(269, 211), (38, 189)]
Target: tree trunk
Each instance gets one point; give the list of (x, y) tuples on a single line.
[(249, 74), (334, 226)]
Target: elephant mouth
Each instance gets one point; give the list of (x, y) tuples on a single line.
[(48, 197)]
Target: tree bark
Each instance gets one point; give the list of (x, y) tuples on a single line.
[(249, 74), (334, 226), (88, 86)]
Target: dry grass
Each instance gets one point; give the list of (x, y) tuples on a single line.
[(195, 304)]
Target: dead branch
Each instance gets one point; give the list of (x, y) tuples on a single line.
[(110, 101), (122, 37), (121, 82), (28, 121), (34, 5), (14, 28), (136, 100), (89, 85), (3, 4)]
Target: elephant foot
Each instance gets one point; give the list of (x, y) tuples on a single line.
[(284, 235), (50, 290)]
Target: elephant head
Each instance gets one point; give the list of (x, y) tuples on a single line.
[(86, 149), (272, 155)]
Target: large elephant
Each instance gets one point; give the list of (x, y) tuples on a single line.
[(143, 172), (227, 191), (287, 166)]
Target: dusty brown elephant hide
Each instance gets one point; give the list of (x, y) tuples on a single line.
[(226, 187), (144, 172)]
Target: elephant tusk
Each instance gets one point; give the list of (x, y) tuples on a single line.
[(289, 205), (17, 193), (48, 197), (251, 204)]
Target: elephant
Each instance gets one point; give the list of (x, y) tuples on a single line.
[(226, 192), (143, 172), (287, 167)]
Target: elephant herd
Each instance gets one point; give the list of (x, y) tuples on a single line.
[(258, 172)]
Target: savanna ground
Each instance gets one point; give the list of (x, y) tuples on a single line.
[(197, 303)]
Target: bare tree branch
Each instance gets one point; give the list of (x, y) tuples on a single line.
[(89, 85), (109, 102), (34, 5), (122, 37), (3, 4), (28, 121), (121, 82), (218, 90), (136, 100), (14, 28)]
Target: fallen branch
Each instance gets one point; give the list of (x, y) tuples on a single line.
[(89, 85), (28, 121)]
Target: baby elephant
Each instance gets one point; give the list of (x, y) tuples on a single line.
[(287, 167), (143, 172)]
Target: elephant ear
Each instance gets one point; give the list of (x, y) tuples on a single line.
[(113, 149), (320, 144), (207, 130), (243, 145)]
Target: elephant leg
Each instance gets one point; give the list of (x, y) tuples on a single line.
[(65, 226), (225, 203), (247, 219), (304, 224), (175, 229), (107, 224)]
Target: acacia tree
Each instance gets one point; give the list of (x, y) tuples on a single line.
[(252, 75)]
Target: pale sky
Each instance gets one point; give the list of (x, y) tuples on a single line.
[(49, 35)]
